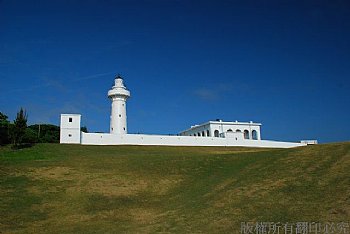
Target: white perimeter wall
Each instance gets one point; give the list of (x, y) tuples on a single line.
[(139, 139)]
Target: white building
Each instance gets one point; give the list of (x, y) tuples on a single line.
[(212, 133), (219, 128), (70, 129)]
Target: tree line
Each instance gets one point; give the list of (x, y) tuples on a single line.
[(19, 134)]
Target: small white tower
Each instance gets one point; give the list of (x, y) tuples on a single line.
[(118, 95), (70, 129)]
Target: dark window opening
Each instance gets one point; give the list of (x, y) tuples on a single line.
[(246, 134), (216, 133), (254, 135), (70, 119)]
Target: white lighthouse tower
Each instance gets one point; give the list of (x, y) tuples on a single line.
[(118, 95)]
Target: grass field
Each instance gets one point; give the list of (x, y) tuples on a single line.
[(52, 188)]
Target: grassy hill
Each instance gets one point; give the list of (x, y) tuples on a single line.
[(52, 188)]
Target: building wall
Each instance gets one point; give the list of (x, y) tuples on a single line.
[(140, 139), (198, 131), (235, 135), (70, 129), (222, 128)]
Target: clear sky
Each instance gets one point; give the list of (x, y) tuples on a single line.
[(285, 64)]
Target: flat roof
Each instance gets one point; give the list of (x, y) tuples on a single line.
[(234, 123), (71, 114), (224, 123)]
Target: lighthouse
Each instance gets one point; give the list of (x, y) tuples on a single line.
[(118, 95)]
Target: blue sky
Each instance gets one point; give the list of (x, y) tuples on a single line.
[(285, 64)]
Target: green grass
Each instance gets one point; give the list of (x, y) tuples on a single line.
[(52, 188)]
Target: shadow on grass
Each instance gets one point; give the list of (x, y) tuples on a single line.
[(22, 146)]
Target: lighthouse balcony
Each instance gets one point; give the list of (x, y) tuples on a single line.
[(119, 92)]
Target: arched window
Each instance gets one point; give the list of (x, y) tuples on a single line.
[(238, 130), (230, 130), (194, 134), (203, 134), (246, 134), (199, 134), (216, 133), (254, 135), (208, 133)]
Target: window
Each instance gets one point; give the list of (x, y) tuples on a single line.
[(238, 130), (230, 130), (124, 129), (70, 119), (216, 133), (203, 134), (208, 133), (120, 115), (194, 134), (199, 134), (69, 135), (246, 134), (254, 135)]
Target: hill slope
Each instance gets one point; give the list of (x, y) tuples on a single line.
[(53, 188)]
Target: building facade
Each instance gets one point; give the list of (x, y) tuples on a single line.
[(219, 128)]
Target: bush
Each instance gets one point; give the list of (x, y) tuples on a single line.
[(30, 136)]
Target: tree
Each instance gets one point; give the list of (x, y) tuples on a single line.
[(46, 133), (19, 127), (3, 117), (4, 129), (84, 129)]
